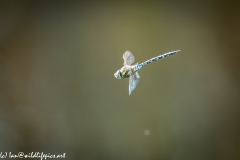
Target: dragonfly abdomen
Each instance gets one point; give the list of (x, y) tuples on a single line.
[(138, 67)]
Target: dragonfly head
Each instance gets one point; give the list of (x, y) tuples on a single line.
[(118, 74)]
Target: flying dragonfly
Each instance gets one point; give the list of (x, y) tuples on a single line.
[(131, 71)]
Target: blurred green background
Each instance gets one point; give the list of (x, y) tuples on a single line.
[(58, 93)]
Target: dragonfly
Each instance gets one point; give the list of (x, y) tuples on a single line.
[(131, 71)]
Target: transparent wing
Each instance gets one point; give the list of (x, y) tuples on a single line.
[(128, 58), (133, 81)]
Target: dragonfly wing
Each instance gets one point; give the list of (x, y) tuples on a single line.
[(128, 58), (137, 75), (133, 81)]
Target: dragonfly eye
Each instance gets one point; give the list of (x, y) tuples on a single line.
[(118, 75)]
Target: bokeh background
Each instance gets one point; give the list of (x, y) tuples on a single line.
[(58, 93)]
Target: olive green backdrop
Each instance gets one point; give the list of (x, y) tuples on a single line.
[(58, 93)]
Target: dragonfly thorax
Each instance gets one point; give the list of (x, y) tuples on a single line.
[(124, 72)]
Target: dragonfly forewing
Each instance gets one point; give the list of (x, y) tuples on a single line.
[(128, 58)]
